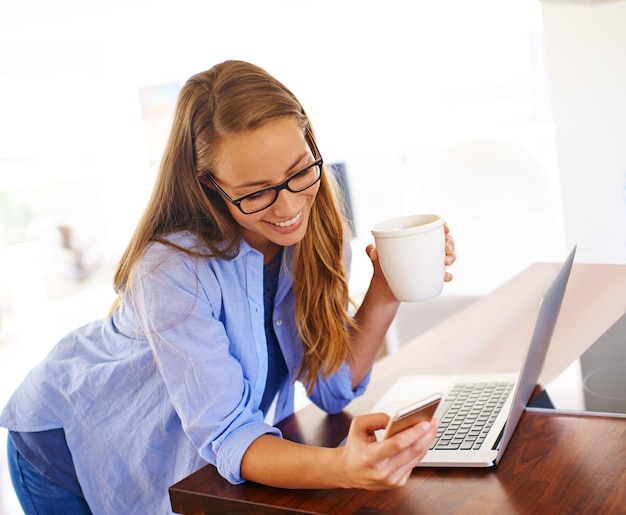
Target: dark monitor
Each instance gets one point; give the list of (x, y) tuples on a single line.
[(595, 384), (341, 176)]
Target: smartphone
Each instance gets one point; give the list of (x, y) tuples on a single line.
[(413, 414)]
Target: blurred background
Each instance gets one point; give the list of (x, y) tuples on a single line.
[(508, 118)]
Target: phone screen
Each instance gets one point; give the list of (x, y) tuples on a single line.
[(413, 414)]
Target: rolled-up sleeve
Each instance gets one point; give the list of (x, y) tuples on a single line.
[(335, 392)]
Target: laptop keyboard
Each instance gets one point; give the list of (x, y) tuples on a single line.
[(473, 408)]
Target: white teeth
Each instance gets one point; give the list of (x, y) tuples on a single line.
[(287, 223)]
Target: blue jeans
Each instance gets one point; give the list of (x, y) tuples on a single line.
[(36, 493)]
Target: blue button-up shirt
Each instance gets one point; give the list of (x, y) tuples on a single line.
[(172, 380)]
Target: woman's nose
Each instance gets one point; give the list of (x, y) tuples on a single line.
[(286, 203)]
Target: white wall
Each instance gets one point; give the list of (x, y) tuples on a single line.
[(586, 53), (392, 88)]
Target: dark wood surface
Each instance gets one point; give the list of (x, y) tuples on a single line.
[(554, 463)]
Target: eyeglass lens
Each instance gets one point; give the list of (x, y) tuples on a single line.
[(299, 182)]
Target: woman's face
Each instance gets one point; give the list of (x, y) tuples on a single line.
[(263, 157)]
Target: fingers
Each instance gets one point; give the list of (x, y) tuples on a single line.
[(450, 258), (406, 449), (378, 465), (450, 254), (414, 441), (399, 454)]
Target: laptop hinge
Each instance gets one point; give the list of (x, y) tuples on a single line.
[(496, 445)]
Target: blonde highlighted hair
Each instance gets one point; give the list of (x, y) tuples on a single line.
[(230, 98)]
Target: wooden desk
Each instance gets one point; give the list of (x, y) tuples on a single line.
[(553, 463)]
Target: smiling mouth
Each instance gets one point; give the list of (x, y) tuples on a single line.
[(288, 223)]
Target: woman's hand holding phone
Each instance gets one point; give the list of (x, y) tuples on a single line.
[(388, 463)]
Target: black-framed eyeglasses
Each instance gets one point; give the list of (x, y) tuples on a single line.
[(264, 198)]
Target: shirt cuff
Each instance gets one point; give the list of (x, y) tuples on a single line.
[(232, 450)]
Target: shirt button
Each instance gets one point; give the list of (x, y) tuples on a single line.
[(279, 322)]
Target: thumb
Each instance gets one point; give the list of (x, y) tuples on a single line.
[(365, 425), (372, 253)]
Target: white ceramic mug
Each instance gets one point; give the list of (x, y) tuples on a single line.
[(411, 250)]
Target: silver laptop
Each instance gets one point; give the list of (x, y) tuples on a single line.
[(479, 413)]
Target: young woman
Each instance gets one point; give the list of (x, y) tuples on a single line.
[(233, 287)]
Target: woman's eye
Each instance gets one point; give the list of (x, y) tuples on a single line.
[(257, 196), (305, 172)]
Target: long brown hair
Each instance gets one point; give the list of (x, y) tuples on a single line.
[(230, 98)]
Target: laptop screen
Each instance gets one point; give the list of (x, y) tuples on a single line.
[(538, 349)]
